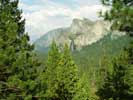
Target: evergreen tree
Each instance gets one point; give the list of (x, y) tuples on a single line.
[(120, 14), (115, 86), (105, 66), (51, 72), (18, 65), (82, 89), (129, 76), (67, 76)]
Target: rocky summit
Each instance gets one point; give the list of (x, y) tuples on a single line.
[(80, 33)]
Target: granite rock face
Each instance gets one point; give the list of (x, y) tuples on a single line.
[(82, 32)]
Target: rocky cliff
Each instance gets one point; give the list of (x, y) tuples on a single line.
[(81, 32)]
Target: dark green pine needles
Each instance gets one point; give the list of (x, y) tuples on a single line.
[(18, 65)]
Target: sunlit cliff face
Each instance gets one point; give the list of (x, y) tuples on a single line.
[(80, 33)]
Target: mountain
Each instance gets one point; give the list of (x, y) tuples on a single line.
[(80, 33)]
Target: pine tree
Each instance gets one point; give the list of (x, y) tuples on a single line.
[(82, 89), (129, 79), (120, 14), (18, 65), (67, 76), (105, 66), (115, 86), (51, 72)]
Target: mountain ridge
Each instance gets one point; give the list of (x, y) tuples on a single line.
[(81, 32)]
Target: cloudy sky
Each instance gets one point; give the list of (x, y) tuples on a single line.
[(44, 15)]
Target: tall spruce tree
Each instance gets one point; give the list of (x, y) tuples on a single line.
[(83, 89), (67, 76), (18, 72), (105, 66), (51, 72), (129, 76), (115, 86)]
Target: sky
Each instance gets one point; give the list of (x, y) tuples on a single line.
[(44, 15)]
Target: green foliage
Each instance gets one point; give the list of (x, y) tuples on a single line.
[(119, 84), (22, 77), (129, 79), (82, 89), (51, 71), (120, 14), (67, 76), (61, 76), (105, 66), (115, 86), (18, 64), (95, 59)]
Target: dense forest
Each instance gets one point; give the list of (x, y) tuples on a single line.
[(64, 75)]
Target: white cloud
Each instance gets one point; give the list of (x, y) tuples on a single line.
[(42, 18)]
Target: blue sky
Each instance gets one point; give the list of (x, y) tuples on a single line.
[(44, 15)]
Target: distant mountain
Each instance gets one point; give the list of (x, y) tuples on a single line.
[(87, 39), (80, 33)]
